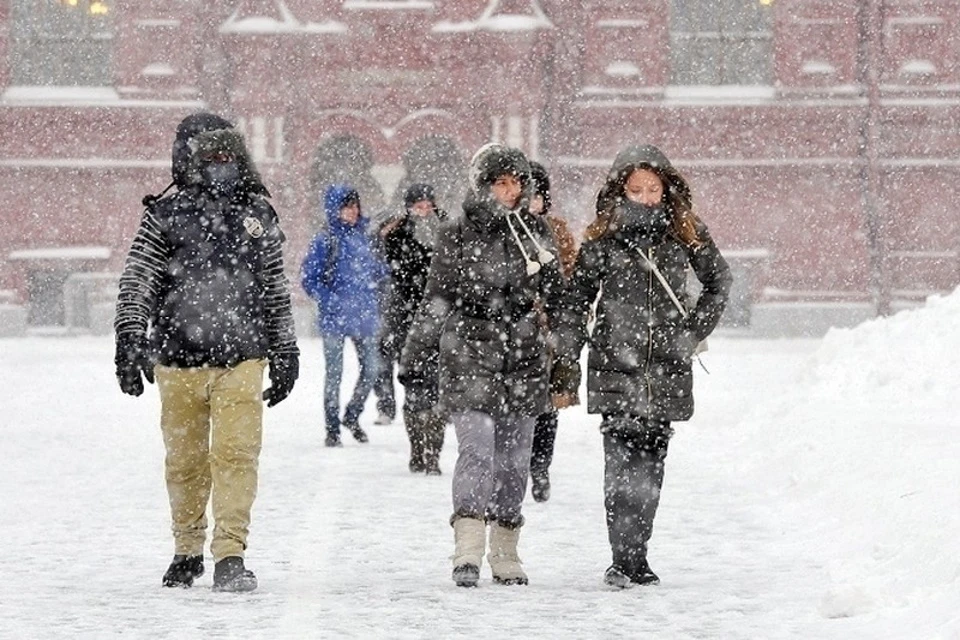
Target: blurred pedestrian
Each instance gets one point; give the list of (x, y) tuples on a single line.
[(407, 242), (636, 255), (342, 273), (545, 431), (203, 307)]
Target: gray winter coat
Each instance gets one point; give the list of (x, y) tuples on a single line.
[(478, 321)]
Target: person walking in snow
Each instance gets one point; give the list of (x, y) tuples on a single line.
[(478, 329), (203, 307), (545, 431), (407, 241), (636, 255), (342, 273)]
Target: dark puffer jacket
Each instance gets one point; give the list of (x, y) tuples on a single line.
[(478, 320), (409, 260), (641, 347), (206, 271)]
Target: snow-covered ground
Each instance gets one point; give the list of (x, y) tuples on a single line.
[(816, 494)]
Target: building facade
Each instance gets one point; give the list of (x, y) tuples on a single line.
[(821, 137)]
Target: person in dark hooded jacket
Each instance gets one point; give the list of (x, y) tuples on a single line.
[(204, 306), (545, 432), (407, 241), (478, 329), (343, 273), (640, 377)]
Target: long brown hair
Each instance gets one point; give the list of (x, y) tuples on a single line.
[(683, 221)]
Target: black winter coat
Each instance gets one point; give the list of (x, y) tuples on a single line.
[(409, 263), (641, 348), (478, 321), (207, 274)]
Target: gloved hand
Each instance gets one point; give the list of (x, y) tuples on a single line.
[(419, 370), (133, 357), (284, 371), (565, 377)]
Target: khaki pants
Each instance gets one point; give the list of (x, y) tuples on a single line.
[(211, 420)]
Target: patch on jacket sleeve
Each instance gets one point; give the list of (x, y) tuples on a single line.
[(253, 226)]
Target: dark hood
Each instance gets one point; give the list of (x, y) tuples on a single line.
[(183, 163), (490, 162), (647, 156), (221, 140)]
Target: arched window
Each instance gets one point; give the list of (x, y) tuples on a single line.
[(435, 160), (716, 43), (61, 42), (345, 159)]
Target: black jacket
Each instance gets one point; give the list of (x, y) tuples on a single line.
[(640, 350), (205, 277), (478, 321), (409, 262)]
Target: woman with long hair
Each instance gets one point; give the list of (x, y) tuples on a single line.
[(635, 256)]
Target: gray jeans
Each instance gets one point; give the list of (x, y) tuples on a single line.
[(490, 479)]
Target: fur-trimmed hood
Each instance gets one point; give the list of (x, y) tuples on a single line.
[(493, 160), (227, 140)]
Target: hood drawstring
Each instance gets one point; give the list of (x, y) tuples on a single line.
[(532, 267), (543, 256)]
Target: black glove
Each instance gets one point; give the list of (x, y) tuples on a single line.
[(284, 371), (418, 371), (565, 376), (133, 358)]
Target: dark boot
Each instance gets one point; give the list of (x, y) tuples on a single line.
[(332, 440), (633, 477), (433, 433), (413, 423), (231, 576), (544, 439), (357, 432), (540, 485), (183, 570)]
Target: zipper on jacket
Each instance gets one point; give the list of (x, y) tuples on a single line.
[(646, 370)]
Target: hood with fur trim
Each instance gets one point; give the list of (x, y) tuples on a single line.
[(493, 160), (228, 141)]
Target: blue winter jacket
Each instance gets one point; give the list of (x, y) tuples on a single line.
[(342, 272)]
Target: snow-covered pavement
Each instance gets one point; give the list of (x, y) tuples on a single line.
[(816, 494)]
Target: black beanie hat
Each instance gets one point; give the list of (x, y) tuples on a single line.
[(417, 192), (541, 184)]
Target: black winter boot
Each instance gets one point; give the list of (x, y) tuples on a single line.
[(230, 575), (540, 485), (412, 422), (617, 578), (643, 574), (357, 432), (183, 570), (433, 432)]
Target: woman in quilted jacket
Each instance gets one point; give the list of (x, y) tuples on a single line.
[(636, 256)]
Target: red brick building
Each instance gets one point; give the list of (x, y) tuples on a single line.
[(821, 137)]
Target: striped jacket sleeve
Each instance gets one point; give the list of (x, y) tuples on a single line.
[(141, 279), (279, 312)]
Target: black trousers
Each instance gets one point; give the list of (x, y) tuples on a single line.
[(544, 439), (634, 457), (383, 386)]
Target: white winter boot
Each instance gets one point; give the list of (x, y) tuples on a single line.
[(503, 558), (469, 536)]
